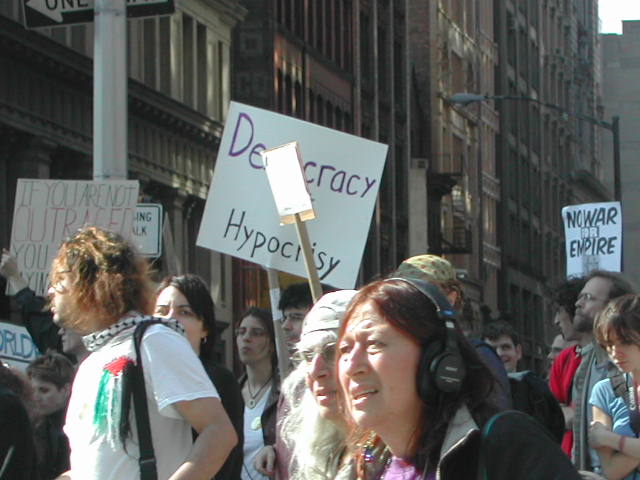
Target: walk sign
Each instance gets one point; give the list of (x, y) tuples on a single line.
[(51, 13)]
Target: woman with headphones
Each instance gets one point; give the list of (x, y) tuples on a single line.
[(411, 381)]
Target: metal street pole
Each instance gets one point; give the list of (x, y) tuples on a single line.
[(465, 99), (110, 91)]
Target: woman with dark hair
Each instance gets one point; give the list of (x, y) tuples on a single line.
[(616, 421), (187, 299), (410, 380), (255, 339)]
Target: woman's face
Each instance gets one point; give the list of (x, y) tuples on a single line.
[(377, 368), (252, 338), (171, 303), (625, 355)]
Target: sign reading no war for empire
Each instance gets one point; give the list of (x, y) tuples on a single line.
[(48, 211), (593, 235), (342, 171)]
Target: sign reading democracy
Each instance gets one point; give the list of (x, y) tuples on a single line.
[(342, 171), (593, 235), (48, 211), (16, 346)]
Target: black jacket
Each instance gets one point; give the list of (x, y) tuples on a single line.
[(510, 446), (231, 398)]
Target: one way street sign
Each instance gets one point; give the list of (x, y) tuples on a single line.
[(51, 13)]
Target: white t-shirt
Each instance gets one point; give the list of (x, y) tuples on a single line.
[(172, 372), (253, 439)]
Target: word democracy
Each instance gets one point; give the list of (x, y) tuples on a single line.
[(320, 175)]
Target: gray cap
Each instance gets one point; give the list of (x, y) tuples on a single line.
[(327, 313)]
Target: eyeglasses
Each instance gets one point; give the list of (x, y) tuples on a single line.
[(327, 352), (293, 317), (587, 297), (253, 332)]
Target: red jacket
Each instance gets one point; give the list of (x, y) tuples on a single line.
[(561, 382)]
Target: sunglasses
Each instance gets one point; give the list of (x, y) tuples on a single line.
[(327, 352)]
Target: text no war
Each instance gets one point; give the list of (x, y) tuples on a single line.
[(258, 243)]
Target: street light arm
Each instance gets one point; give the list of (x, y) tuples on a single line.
[(465, 99)]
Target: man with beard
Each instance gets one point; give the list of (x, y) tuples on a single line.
[(600, 287)]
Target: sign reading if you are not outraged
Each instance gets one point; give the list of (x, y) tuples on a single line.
[(593, 236), (343, 174), (48, 211)]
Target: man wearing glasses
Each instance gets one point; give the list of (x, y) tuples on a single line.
[(600, 287), (295, 303)]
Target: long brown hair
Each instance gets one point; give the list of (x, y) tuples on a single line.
[(411, 312), (107, 279)]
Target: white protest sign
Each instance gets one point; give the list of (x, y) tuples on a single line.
[(146, 233), (16, 346), (343, 173), (286, 178), (593, 236), (48, 211)]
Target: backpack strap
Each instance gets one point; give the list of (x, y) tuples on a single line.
[(620, 389), (147, 460)]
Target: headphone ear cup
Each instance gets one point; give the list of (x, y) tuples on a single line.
[(425, 382), (448, 371)]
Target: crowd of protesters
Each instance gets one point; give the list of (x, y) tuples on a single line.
[(386, 382)]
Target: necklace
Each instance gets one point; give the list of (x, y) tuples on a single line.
[(253, 398)]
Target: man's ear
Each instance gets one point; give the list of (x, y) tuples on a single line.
[(67, 390), (519, 351)]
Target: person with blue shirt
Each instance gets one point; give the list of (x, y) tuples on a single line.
[(615, 427)]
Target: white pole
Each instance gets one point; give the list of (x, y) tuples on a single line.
[(281, 345), (110, 91)]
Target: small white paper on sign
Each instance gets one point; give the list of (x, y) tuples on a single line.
[(288, 184)]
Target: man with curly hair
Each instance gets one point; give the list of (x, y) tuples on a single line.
[(100, 288)]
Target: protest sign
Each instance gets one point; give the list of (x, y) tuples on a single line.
[(343, 174), (593, 236), (16, 346), (48, 211)]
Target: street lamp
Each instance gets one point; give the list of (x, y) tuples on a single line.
[(465, 99)]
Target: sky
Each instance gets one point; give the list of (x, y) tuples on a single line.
[(612, 12)]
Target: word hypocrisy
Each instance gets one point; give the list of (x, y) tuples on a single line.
[(253, 240)]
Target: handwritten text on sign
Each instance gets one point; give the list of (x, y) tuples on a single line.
[(593, 233), (48, 211), (343, 174)]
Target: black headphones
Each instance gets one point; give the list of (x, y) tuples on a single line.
[(441, 367)]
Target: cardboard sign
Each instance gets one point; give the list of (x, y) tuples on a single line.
[(48, 211), (593, 236), (343, 174), (16, 346), (146, 233), (286, 178)]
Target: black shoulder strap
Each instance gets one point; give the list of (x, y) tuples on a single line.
[(620, 389), (147, 459)]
